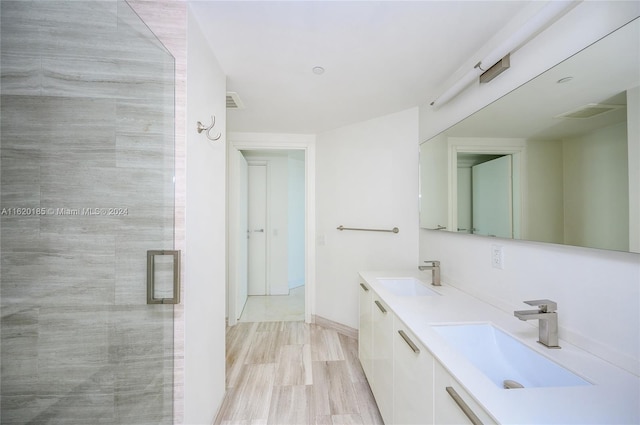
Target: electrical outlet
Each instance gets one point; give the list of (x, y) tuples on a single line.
[(497, 257)]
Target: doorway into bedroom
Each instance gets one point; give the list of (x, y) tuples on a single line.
[(270, 200)]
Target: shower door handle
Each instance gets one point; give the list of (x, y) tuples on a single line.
[(151, 278)]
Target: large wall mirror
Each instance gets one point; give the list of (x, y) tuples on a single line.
[(556, 160)]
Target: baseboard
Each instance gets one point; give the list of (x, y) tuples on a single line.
[(338, 327)]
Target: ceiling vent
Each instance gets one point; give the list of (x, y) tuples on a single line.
[(233, 101), (590, 110)]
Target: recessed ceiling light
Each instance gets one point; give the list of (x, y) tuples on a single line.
[(318, 70), (564, 80)]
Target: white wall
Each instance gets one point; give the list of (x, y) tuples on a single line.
[(595, 177), (205, 235), (544, 205), (366, 176), (598, 292)]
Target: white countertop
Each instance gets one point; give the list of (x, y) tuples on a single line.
[(613, 397)]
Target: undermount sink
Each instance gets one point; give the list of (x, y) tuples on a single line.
[(406, 287), (503, 359)]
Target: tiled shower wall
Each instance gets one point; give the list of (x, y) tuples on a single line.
[(87, 165)]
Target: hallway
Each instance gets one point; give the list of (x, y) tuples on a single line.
[(275, 308), (294, 373)]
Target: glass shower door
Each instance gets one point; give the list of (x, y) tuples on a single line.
[(86, 190)]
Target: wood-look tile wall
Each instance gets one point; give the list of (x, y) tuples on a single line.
[(87, 114)]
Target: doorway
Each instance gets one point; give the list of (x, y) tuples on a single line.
[(492, 210), (484, 195), (506, 159), (275, 271), (275, 235)]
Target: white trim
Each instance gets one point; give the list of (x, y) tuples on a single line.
[(306, 142)]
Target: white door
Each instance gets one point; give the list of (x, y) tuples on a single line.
[(465, 206), (243, 236), (492, 198), (257, 203)]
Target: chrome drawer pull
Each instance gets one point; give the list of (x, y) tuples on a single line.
[(475, 420), (409, 342), (382, 309), (364, 287)]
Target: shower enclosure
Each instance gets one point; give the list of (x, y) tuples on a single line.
[(87, 189)]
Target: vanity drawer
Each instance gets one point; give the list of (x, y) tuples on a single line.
[(453, 404)]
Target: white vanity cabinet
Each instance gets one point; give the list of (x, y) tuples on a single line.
[(365, 331), (412, 378), (420, 352), (381, 381), (408, 383), (398, 367), (447, 410)]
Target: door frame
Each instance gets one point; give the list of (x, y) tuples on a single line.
[(515, 147), (272, 141)]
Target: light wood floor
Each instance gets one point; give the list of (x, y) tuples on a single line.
[(281, 373)]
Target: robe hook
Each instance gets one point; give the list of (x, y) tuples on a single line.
[(201, 127)]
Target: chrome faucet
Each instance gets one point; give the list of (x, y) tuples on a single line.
[(548, 321), (435, 271)]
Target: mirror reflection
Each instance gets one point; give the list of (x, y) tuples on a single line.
[(556, 160)]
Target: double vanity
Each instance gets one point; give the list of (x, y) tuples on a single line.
[(436, 355)]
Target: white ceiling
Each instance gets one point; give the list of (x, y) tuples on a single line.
[(380, 57)]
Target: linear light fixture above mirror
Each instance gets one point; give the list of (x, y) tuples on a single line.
[(497, 69), (540, 21)]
